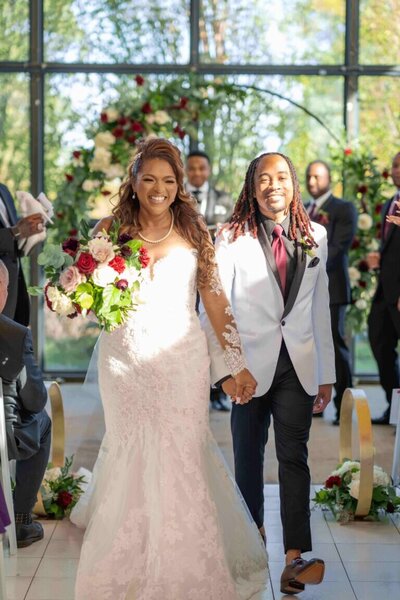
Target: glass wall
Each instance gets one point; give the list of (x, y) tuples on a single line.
[(290, 57)]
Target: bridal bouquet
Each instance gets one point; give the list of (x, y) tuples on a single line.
[(61, 490), (99, 275), (341, 490)]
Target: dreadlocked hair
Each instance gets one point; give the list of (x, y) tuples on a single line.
[(245, 212), (187, 221)]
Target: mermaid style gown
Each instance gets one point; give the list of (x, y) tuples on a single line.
[(164, 518)]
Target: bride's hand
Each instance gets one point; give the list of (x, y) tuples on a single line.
[(245, 387)]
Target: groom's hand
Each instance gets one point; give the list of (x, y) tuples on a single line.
[(323, 397), (229, 387)]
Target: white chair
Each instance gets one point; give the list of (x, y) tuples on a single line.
[(5, 478), (2, 571)]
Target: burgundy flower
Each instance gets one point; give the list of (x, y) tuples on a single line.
[(70, 246), (106, 193), (118, 132), (121, 284), (146, 108), (144, 257), (76, 153), (64, 499), (385, 174), (122, 121), (131, 139), (183, 102), (355, 244), (348, 151), (139, 80), (332, 481), (136, 126), (378, 209), (323, 219), (179, 131), (104, 117), (123, 238), (390, 507), (69, 177), (72, 315), (49, 304), (126, 251), (118, 264), (362, 284), (363, 266), (86, 263), (363, 189), (73, 232)]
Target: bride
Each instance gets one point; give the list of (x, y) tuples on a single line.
[(164, 518)]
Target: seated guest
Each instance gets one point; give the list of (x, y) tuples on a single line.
[(28, 427)]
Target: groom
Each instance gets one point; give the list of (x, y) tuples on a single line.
[(271, 261)]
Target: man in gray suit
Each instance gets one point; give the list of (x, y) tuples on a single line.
[(28, 427)]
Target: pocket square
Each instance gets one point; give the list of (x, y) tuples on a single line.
[(314, 262)]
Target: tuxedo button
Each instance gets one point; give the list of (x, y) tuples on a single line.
[(283, 323)]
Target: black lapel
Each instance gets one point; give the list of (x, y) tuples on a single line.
[(9, 204), (269, 255), (297, 279)]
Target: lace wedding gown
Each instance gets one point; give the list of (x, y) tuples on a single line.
[(164, 518)]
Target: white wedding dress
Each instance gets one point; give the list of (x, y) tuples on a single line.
[(164, 518)]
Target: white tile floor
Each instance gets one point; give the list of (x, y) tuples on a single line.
[(362, 560)]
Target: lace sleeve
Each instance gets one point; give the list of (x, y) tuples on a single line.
[(219, 313)]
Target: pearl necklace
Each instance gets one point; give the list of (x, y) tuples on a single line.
[(165, 236)]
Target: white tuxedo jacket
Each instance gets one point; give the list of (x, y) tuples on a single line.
[(251, 282)]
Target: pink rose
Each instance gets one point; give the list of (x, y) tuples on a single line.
[(101, 249), (70, 278)]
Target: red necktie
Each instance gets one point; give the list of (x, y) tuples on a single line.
[(278, 248), (313, 211)]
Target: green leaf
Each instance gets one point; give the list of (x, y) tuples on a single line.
[(35, 290)]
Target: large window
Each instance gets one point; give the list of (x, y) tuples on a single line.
[(62, 61)]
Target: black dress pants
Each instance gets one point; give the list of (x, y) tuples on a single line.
[(291, 408), (30, 472), (342, 354), (384, 334)]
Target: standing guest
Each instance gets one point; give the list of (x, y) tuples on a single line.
[(340, 219), (272, 267), (216, 208), (28, 426), (384, 318), (13, 229)]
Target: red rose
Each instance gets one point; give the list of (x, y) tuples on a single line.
[(385, 174), (144, 257), (139, 80), (363, 266), (122, 284), (64, 499), (378, 209), (122, 121), (73, 232), (183, 102), (118, 132), (70, 246), (76, 153), (332, 481), (355, 244), (86, 263), (69, 177), (348, 151), (118, 264), (131, 139), (146, 108), (136, 126), (103, 117), (363, 189), (180, 132)]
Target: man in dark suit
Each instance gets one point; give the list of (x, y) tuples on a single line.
[(384, 318), (340, 219), (12, 230), (216, 208), (28, 426)]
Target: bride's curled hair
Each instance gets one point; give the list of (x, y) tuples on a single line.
[(187, 221)]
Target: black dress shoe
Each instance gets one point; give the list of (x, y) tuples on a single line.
[(320, 414), (336, 421), (301, 572), (383, 420), (28, 534)]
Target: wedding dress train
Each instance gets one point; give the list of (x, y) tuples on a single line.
[(164, 518)]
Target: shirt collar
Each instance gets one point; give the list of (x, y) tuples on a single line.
[(203, 189), (322, 199), (269, 224)]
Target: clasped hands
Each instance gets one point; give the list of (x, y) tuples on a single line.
[(395, 219), (30, 225), (240, 388)]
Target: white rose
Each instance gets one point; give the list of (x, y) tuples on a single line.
[(78, 162), (354, 274), (130, 274), (63, 305), (112, 186), (70, 278), (347, 466), (380, 477), (114, 171), (112, 114), (361, 304), (160, 117), (365, 221), (52, 474), (53, 293), (101, 249), (104, 139), (354, 488), (104, 275), (90, 184), (101, 160), (373, 246)]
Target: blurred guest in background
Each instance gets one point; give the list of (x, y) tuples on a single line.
[(12, 230), (384, 318), (340, 219), (28, 426)]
